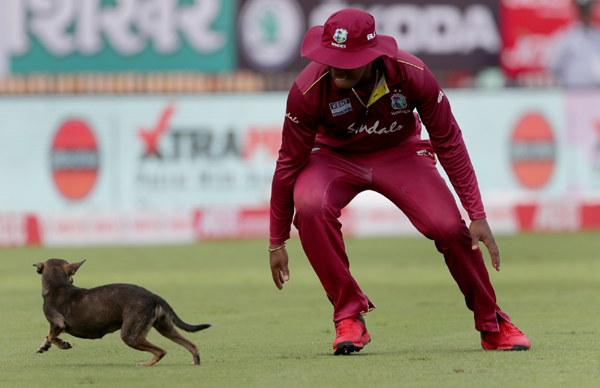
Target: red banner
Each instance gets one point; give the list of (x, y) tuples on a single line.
[(17, 229), (529, 29)]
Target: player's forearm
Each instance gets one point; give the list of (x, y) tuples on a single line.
[(460, 171)]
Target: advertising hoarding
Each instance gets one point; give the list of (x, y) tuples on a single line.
[(134, 153), (219, 35), (446, 35), (117, 35), (173, 169)]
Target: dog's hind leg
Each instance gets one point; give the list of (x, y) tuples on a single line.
[(146, 346), (165, 327), (134, 335)]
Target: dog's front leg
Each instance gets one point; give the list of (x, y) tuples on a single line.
[(64, 345), (45, 346), (52, 338)]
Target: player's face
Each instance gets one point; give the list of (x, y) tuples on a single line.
[(347, 79)]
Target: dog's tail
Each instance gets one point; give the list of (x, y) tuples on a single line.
[(178, 322)]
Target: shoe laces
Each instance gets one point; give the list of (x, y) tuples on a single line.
[(346, 326), (509, 329)]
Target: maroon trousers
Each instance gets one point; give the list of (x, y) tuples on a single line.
[(407, 176)]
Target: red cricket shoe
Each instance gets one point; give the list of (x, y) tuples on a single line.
[(351, 336), (508, 338)]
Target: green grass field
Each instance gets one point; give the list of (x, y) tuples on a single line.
[(423, 335)]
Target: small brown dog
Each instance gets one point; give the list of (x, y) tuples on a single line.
[(92, 313)]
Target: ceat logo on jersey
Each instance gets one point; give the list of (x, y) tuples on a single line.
[(533, 150), (340, 35), (74, 159)]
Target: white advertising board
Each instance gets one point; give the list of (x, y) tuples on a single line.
[(117, 153), (171, 169)]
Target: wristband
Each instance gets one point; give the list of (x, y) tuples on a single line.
[(276, 249)]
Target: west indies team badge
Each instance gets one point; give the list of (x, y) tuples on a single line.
[(340, 35), (399, 101)]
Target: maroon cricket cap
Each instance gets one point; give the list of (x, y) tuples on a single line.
[(347, 41)]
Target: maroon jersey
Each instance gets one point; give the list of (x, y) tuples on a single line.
[(321, 115)]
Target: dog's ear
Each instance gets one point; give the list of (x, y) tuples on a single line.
[(72, 268), (40, 267)]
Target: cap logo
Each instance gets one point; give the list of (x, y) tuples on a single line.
[(371, 36), (340, 35)]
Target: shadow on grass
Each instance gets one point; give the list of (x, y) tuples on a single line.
[(119, 366), (402, 352)]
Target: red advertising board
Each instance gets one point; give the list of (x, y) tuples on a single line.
[(529, 29)]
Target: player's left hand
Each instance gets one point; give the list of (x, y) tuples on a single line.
[(279, 266), (480, 231)]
